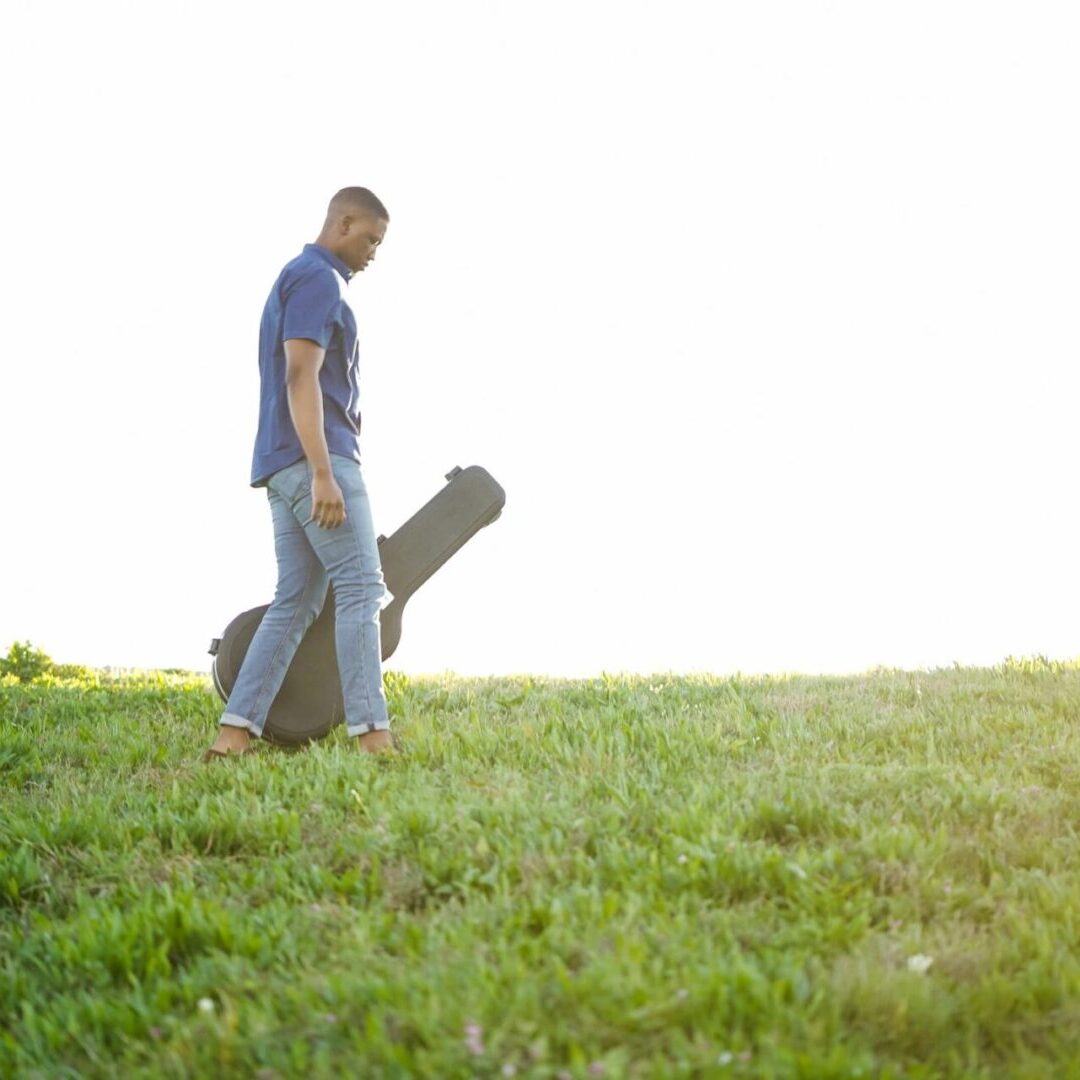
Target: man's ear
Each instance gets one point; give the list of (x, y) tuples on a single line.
[(345, 224)]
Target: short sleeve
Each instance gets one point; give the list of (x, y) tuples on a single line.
[(311, 305)]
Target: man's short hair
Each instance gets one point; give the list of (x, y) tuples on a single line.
[(357, 198)]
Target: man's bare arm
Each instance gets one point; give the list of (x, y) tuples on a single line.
[(303, 359)]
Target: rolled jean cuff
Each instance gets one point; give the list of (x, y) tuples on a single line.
[(363, 729), (230, 719)]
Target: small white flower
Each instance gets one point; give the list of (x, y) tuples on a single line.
[(682, 859), (206, 1005), (682, 993), (509, 1069), (919, 963), (725, 1058)]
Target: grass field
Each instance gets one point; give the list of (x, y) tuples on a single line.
[(875, 876)]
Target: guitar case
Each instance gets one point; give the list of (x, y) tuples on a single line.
[(309, 702)]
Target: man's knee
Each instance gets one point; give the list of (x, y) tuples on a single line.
[(360, 590), (302, 594)]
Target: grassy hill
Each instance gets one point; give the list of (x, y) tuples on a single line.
[(625, 877)]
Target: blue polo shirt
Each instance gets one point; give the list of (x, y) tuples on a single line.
[(308, 300)]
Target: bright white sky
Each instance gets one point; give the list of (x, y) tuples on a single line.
[(764, 314)]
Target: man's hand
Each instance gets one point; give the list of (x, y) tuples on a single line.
[(327, 502)]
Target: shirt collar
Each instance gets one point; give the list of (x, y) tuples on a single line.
[(330, 257)]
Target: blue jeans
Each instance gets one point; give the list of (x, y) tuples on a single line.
[(309, 557)]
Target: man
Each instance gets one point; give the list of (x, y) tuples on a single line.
[(307, 457)]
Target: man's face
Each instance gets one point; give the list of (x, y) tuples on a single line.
[(363, 234)]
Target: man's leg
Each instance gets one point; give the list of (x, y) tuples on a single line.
[(350, 556), (298, 599)]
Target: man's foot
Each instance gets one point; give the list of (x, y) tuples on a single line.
[(231, 742), (375, 742)]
